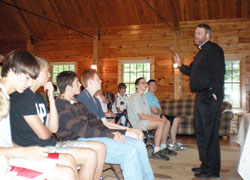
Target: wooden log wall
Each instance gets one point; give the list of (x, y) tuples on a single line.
[(233, 36), (6, 45), (156, 42), (65, 46)]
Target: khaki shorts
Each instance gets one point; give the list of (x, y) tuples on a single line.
[(141, 124)]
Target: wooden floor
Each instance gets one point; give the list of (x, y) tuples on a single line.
[(178, 168), (231, 141)]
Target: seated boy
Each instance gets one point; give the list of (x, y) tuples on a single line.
[(32, 124), (140, 116), (17, 72), (156, 109), (92, 84), (76, 121), (121, 99)]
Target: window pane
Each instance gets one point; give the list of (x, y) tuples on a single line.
[(133, 67), (228, 76), (139, 75), (140, 67), (147, 76), (228, 65), (236, 95), (60, 68), (232, 83), (54, 78), (66, 68), (133, 71), (55, 69), (72, 67), (132, 88), (126, 77), (128, 88), (236, 76), (133, 77), (126, 67), (235, 65), (228, 88), (147, 67)]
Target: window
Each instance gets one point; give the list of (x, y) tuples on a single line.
[(131, 70), (232, 83), (56, 68)]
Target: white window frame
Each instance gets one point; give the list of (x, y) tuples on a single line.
[(240, 82), (134, 61), (61, 63)]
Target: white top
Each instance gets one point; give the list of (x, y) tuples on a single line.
[(5, 131), (121, 101), (103, 105)]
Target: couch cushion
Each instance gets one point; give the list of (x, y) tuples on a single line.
[(180, 107)]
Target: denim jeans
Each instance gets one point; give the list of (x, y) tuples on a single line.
[(131, 155)]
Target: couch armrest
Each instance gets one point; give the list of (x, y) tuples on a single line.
[(228, 114)]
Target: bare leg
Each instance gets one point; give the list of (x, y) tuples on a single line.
[(159, 126), (100, 149), (174, 128), (87, 159), (62, 173), (135, 133), (67, 160), (165, 132)]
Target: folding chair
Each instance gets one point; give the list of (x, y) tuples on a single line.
[(147, 139), (112, 169)]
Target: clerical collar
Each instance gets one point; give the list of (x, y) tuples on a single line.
[(200, 46)]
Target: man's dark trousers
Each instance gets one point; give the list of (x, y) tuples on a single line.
[(207, 120)]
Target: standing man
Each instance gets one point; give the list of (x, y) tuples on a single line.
[(207, 81)]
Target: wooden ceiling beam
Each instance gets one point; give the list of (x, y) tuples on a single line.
[(92, 14), (56, 12), (159, 15), (20, 19)]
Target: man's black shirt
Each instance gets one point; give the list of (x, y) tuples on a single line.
[(207, 70)]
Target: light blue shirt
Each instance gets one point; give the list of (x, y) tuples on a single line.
[(152, 100)]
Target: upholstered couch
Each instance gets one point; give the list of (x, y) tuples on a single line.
[(184, 108)]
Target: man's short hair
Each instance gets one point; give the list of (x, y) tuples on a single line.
[(122, 85), (138, 80), (86, 75), (151, 80), (64, 79), (207, 28), (21, 61)]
